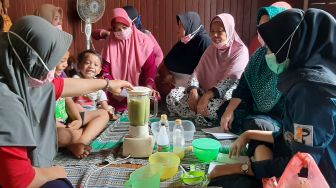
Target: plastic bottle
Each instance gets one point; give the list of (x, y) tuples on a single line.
[(163, 139), (164, 121), (178, 139)]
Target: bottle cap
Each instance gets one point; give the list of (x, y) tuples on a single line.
[(164, 117), (178, 122)]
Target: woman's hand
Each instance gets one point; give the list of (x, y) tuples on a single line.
[(226, 120), (216, 172), (116, 86), (223, 170), (156, 94), (75, 125), (105, 33), (202, 106), (239, 144), (193, 99), (168, 79)]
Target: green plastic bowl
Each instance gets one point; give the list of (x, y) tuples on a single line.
[(193, 177), (206, 149)]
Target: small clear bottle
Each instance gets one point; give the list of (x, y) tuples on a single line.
[(164, 121), (163, 138), (178, 139)]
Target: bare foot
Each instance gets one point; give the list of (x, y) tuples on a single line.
[(79, 150)]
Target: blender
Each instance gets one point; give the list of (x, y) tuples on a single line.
[(138, 143)]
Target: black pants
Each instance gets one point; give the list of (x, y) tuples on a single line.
[(59, 183), (233, 181)]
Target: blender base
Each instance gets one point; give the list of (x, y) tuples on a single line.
[(138, 147)]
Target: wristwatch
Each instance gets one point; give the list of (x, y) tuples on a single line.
[(245, 167)]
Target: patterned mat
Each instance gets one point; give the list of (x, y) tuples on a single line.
[(105, 167)]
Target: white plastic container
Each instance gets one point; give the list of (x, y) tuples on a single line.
[(188, 126)]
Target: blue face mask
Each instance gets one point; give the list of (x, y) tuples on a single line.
[(271, 60)]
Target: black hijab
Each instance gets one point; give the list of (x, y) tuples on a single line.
[(183, 58), (313, 51), (28, 114)]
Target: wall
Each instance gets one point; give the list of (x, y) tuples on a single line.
[(158, 16), (327, 5)]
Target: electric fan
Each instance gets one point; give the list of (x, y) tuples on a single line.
[(90, 11)]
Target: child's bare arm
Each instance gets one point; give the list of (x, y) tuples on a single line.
[(104, 105)]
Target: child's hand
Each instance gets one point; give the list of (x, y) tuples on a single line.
[(116, 86), (113, 116), (76, 124)]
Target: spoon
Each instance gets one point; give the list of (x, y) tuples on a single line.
[(185, 172)]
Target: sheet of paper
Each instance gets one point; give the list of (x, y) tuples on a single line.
[(218, 133)]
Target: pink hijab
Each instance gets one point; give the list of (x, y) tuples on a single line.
[(126, 57), (216, 65)]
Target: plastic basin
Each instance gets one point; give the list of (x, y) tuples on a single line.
[(188, 126), (169, 162), (144, 177), (206, 149)]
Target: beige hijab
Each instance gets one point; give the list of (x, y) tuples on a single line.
[(48, 11)]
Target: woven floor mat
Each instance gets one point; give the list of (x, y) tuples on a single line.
[(88, 172)]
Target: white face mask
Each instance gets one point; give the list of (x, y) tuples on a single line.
[(124, 35), (190, 36), (59, 27), (221, 45), (33, 82)]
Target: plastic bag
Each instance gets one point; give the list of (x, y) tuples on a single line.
[(291, 179)]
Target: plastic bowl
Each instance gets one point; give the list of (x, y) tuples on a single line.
[(206, 149), (193, 177), (188, 126), (169, 162)]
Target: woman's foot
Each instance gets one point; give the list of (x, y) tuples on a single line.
[(79, 150)]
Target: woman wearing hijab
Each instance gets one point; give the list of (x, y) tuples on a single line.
[(29, 54), (51, 13), (256, 103), (135, 17), (254, 42), (303, 52), (216, 75), (183, 58), (128, 55)]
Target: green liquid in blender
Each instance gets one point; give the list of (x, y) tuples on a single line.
[(138, 111)]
